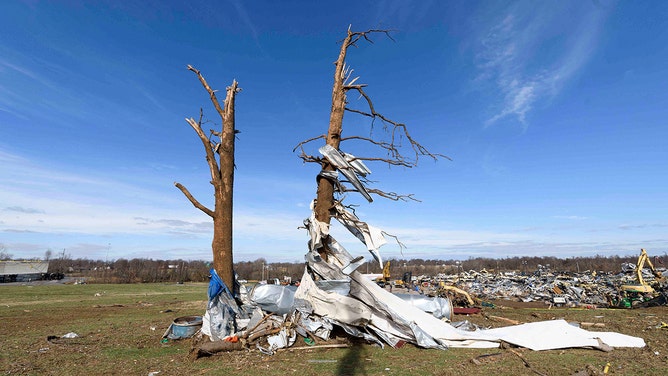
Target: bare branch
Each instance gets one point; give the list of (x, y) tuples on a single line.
[(389, 195), (301, 144), (357, 35), (212, 93), (393, 195), (402, 246), (193, 200), (210, 157), (310, 159), (398, 130)]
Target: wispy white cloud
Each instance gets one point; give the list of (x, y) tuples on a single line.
[(5, 64), (530, 51), (21, 209), (570, 217), (642, 226), (43, 207)]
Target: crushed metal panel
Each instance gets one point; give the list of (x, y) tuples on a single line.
[(277, 299), (357, 164), (370, 236), (341, 164), (436, 306), (311, 299)]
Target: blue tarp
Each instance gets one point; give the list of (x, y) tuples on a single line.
[(216, 285), (222, 309)]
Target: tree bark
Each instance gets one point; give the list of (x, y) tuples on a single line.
[(220, 158), (223, 260), (325, 193)]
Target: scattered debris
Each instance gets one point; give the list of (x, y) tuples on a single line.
[(486, 358), (183, 327), (332, 294)]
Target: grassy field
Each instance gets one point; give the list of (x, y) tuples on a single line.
[(120, 327)]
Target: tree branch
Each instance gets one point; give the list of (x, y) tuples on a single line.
[(212, 93), (357, 35), (210, 157), (301, 144), (398, 130), (193, 200)]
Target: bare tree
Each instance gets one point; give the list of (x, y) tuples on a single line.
[(4, 255), (219, 148), (397, 143)]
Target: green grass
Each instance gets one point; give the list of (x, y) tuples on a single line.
[(120, 329)]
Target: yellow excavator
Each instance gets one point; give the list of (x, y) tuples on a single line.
[(385, 279), (448, 290), (640, 293), (641, 286)]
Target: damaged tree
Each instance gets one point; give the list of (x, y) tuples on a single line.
[(332, 292), (219, 148), (396, 133)]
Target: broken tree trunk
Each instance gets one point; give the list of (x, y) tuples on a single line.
[(325, 192), (220, 158)]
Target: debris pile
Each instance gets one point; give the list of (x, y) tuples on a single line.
[(332, 294), (585, 289), (272, 317)]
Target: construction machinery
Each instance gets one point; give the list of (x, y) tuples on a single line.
[(641, 286), (641, 293), (456, 294), (385, 279)]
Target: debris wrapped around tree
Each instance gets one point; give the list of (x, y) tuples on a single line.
[(332, 294)]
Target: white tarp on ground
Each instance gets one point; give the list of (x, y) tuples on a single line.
[(558, 334)]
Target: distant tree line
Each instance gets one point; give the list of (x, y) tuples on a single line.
[(151, 271), (136, 270)]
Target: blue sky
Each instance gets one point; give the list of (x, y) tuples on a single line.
[(554, 114)]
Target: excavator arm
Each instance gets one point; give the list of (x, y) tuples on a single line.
[(386, 272), (642, 286)]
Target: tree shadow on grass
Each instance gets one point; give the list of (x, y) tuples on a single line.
[(351, 363)]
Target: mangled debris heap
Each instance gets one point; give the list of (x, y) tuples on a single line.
[(632, 287), (333, 293)]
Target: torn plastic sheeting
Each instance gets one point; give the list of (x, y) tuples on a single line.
[(560, 335), (393, 319), (317, 230), (219, 321), (425, 329), (285, 338)]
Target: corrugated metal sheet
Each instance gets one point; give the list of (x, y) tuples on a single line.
[(23, 267)]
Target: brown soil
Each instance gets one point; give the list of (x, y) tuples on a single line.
[(124, 337)]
